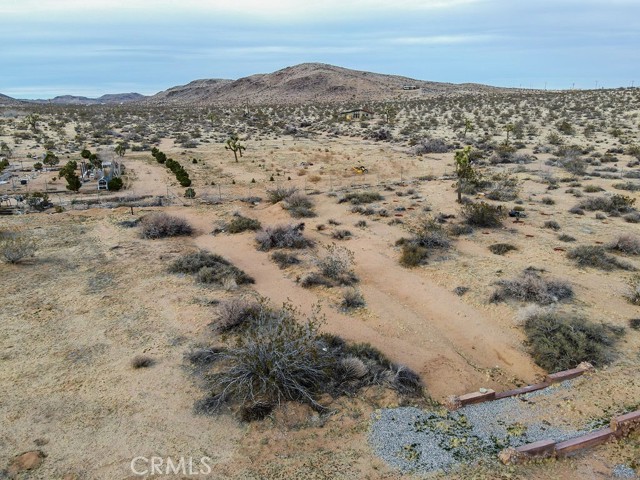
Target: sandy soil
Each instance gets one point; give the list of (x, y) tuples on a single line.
[(96, 295)]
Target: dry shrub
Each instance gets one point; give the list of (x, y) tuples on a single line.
[(627, 243), (279, 358), (277, 194), (596, 256), (531, 287), (612, 204), (352, 299), (502, 248), (482, 214), (241, 224), (282, 236), (142, 361), (299, 206), (360, 198), (16, 247), (161, 225), (284, 259)]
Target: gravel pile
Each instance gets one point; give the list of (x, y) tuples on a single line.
[(414, 440), (623, 471)]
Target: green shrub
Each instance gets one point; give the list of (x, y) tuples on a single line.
[(115, 184), (483, 215), (596, 256), (241, 224), (161, 225), (559, 343), (209, 268), (413, 255), (502, 248)]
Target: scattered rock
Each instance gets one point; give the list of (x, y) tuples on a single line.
[(26, 461)]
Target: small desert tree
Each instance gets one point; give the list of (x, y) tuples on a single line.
[(120, 149), (233, 144), (73, 181), (51, 159), (468, 127), (464, 170)]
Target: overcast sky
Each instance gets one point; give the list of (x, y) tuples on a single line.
[(92, 47)]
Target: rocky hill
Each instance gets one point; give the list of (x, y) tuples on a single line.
[(5, 100), (112, 98), (307, 83)]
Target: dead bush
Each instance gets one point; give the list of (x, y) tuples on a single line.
[(277, 194), (530, 286), (627, 243), (161, 225), (282, 236), (16, 247)]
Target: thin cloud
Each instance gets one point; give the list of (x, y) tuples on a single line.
[(441, 39), (270, 9)]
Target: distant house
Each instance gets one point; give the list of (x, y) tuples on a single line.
[(409, 87), (357, 114)]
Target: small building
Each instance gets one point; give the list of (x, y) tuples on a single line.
[(410, 87), (357, 114)]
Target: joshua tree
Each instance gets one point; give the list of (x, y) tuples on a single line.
[(233, 144), (509, 127), (468, 126), (464, 171), (33, 119)]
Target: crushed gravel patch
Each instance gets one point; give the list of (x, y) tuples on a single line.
[(421, 441)]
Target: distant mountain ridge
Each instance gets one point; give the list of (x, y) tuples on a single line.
[(110, 98), (299, 84), (307, 83)]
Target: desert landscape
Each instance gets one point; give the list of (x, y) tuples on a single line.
[(291, 275)]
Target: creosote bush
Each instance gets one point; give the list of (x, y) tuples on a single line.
[(241, 224), (552, 225), (482, 214), (282, 236), (558, 342), (428, 236), (209, 268), (612, 204), (278, 357), (596, 256), (161, 225), (530, 286)]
